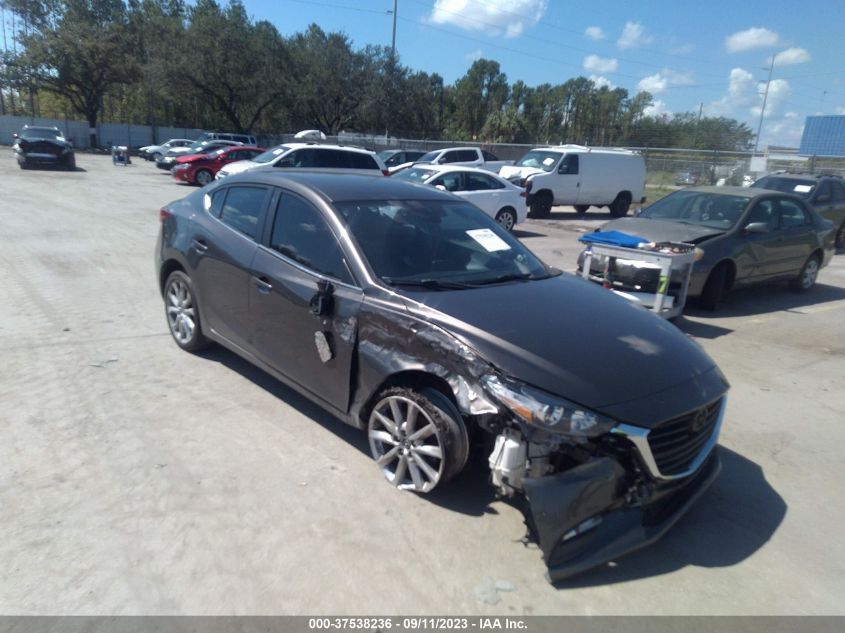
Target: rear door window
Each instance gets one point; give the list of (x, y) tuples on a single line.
[(488, 156), (451, 157), (361, 161), (450, 182), (243, 209), (480, 182), (467, 156), (792, 215)]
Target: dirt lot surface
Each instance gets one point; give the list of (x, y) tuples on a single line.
[(138, 479)]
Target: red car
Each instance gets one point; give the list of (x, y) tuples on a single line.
[(200, 169)]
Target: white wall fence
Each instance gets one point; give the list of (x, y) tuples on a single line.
[(108, 134)]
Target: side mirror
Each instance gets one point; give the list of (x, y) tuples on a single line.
[(757, 227), (825, 197)]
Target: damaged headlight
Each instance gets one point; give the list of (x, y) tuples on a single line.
[(547, 411)]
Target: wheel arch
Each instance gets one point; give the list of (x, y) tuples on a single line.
[(167, 268), (417, 379)]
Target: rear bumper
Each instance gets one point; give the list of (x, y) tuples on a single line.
[(562, 503)]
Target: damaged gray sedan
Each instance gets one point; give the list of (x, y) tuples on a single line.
[(410, 314)]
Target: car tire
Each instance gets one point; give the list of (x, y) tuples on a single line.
[(22, 164), (70, 165), (714, 288), (839, 240), (506, 218), (806, 279), (581, 208), (429, 453), (183, 312), (619, 207), (203, 177), (541, 207)]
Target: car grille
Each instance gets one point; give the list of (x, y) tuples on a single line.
[(675, 444), (40, 147)]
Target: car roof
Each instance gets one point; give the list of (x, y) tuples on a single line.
[(441, 169), (40, 127), (345, 148), (743, 192), (341, 186)]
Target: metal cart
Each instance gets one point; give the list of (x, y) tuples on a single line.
[(120, 155), (668, 257)]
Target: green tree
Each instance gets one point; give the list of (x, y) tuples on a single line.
[(236, 67), (480, 92), (79, 49)]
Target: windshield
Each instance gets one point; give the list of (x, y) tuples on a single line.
[(271, 154), (428, 158), (415, 174), (539, 160), (437, 243), (798, 186), (41, 132), (713, 210)]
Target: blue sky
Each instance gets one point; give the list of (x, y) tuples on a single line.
[(685, 53)]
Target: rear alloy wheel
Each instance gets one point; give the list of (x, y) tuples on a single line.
[(839, 242), (542, 205), (203, 177), (417, 438), (714, 288), (183, 316), (619, 207), (581, 208), (506, 218), (806, 279)]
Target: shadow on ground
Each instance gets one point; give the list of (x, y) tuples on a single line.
[(774, 297), (733, 520), (303, 405)]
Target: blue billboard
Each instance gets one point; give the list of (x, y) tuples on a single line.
[(823, 136)]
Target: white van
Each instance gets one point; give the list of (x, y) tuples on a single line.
[(579, 176)]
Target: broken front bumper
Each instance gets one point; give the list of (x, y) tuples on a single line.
[(582, 520)]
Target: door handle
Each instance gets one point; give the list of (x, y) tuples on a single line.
[(263, 284), (199, 245)]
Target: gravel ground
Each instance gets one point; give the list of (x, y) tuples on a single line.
[(138, 479)]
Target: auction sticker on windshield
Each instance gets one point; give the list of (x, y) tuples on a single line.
[(489, 240), (803, 188)]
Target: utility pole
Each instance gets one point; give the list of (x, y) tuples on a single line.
[(763, 109), (393, 40), (697, 124)]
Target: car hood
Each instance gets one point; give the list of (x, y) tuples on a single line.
[(573, 338), (52, 141), (509, 171), (241, 166), (662, 230), (191, 158)]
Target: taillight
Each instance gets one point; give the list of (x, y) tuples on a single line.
[(528, 186), (523, 194), (164, 213), (385, 172)]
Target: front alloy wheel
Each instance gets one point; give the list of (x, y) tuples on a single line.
[(417, 438), (183, 312)]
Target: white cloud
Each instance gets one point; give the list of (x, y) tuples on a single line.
[(594, 33), (779, 92), (785, 131), (596, 64), (655, 84), (602, 81), (633, 35), (755, 37), (683, 49), (474, 55), (658, 108), (790, 56), (840, 110), (494, 17), (660, 82), (742, 93)]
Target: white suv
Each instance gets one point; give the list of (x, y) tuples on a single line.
[(311, 156), (579, 176)]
